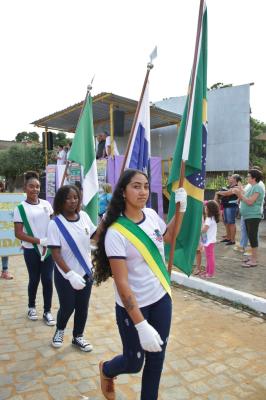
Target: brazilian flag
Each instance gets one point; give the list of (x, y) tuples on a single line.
[(191, 148)]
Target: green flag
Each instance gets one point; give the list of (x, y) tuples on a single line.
[(83, 152), (191, 148)]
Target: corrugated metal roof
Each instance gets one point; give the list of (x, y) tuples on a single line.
[(66, 120)]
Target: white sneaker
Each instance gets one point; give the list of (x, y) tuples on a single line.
[(82, 343), (58, 338), (32, 314), (49, 319)]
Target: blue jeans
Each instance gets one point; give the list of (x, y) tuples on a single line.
[(4, 263), (131, 361), (39, 270), (71, 300), (243, 235), (230, 215)]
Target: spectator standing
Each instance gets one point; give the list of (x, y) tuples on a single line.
[(251, 203), (229, 203), (209, 233), (61, 155), (100, 153), (5, 274), (104, 198), (108, 145)]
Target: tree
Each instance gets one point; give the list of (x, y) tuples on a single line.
[(60, 138), (257, 147), (27, 137), (18, 159)]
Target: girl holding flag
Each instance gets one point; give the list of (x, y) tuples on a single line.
[(31, 219), (130, 248)]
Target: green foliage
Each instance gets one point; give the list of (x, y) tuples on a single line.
[(18, 159), (216, 182), (60, 138), (257, 147), (27, 137)]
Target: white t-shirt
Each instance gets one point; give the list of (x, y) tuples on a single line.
[(38, 216), (108, 143), (81, 231), (62, 155), (212, 231), (144, 284)]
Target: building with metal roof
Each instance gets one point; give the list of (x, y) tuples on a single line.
[(103, 104)]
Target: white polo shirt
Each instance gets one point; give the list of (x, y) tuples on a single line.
[(81, 231), (38, 216), (144, 284)]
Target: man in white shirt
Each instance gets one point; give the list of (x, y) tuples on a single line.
[(108, 145), (61, 155)]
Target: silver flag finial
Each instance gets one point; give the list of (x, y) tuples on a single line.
[(153, 54)]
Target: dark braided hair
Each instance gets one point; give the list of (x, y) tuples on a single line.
[(102, 269)]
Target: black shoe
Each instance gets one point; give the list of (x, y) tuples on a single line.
[(230, 243), (58, 338), (48, 318), (82, 343), (225, 240)]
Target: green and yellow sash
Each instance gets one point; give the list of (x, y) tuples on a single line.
[(147, 249), (29, 231)]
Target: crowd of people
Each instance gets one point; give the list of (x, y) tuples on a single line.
[(237, 199), (130, 241)]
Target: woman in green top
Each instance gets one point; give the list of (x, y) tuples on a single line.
[(251, 209)]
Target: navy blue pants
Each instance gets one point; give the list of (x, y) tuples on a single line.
[(131, 361), (71, 300), (39, 270)]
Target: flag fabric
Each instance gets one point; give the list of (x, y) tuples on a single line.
[(191, 148), (140, 148), (83, 152)]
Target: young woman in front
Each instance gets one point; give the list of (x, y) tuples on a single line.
[(143, 302), (31, 219), (72, 282)]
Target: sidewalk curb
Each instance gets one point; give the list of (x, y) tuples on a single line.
[(254, 302)]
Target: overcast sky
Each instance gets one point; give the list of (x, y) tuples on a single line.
[(51, 49)]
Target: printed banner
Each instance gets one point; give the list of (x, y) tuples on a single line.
[(74, 173), (50, 181), (101, 170), (9, 245)]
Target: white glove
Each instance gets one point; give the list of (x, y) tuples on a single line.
[(181, 197), (76, 281), (44, 242), (149, 338)]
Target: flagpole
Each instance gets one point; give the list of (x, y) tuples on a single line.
[(149, 67), (89, 88), (177, 217)]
